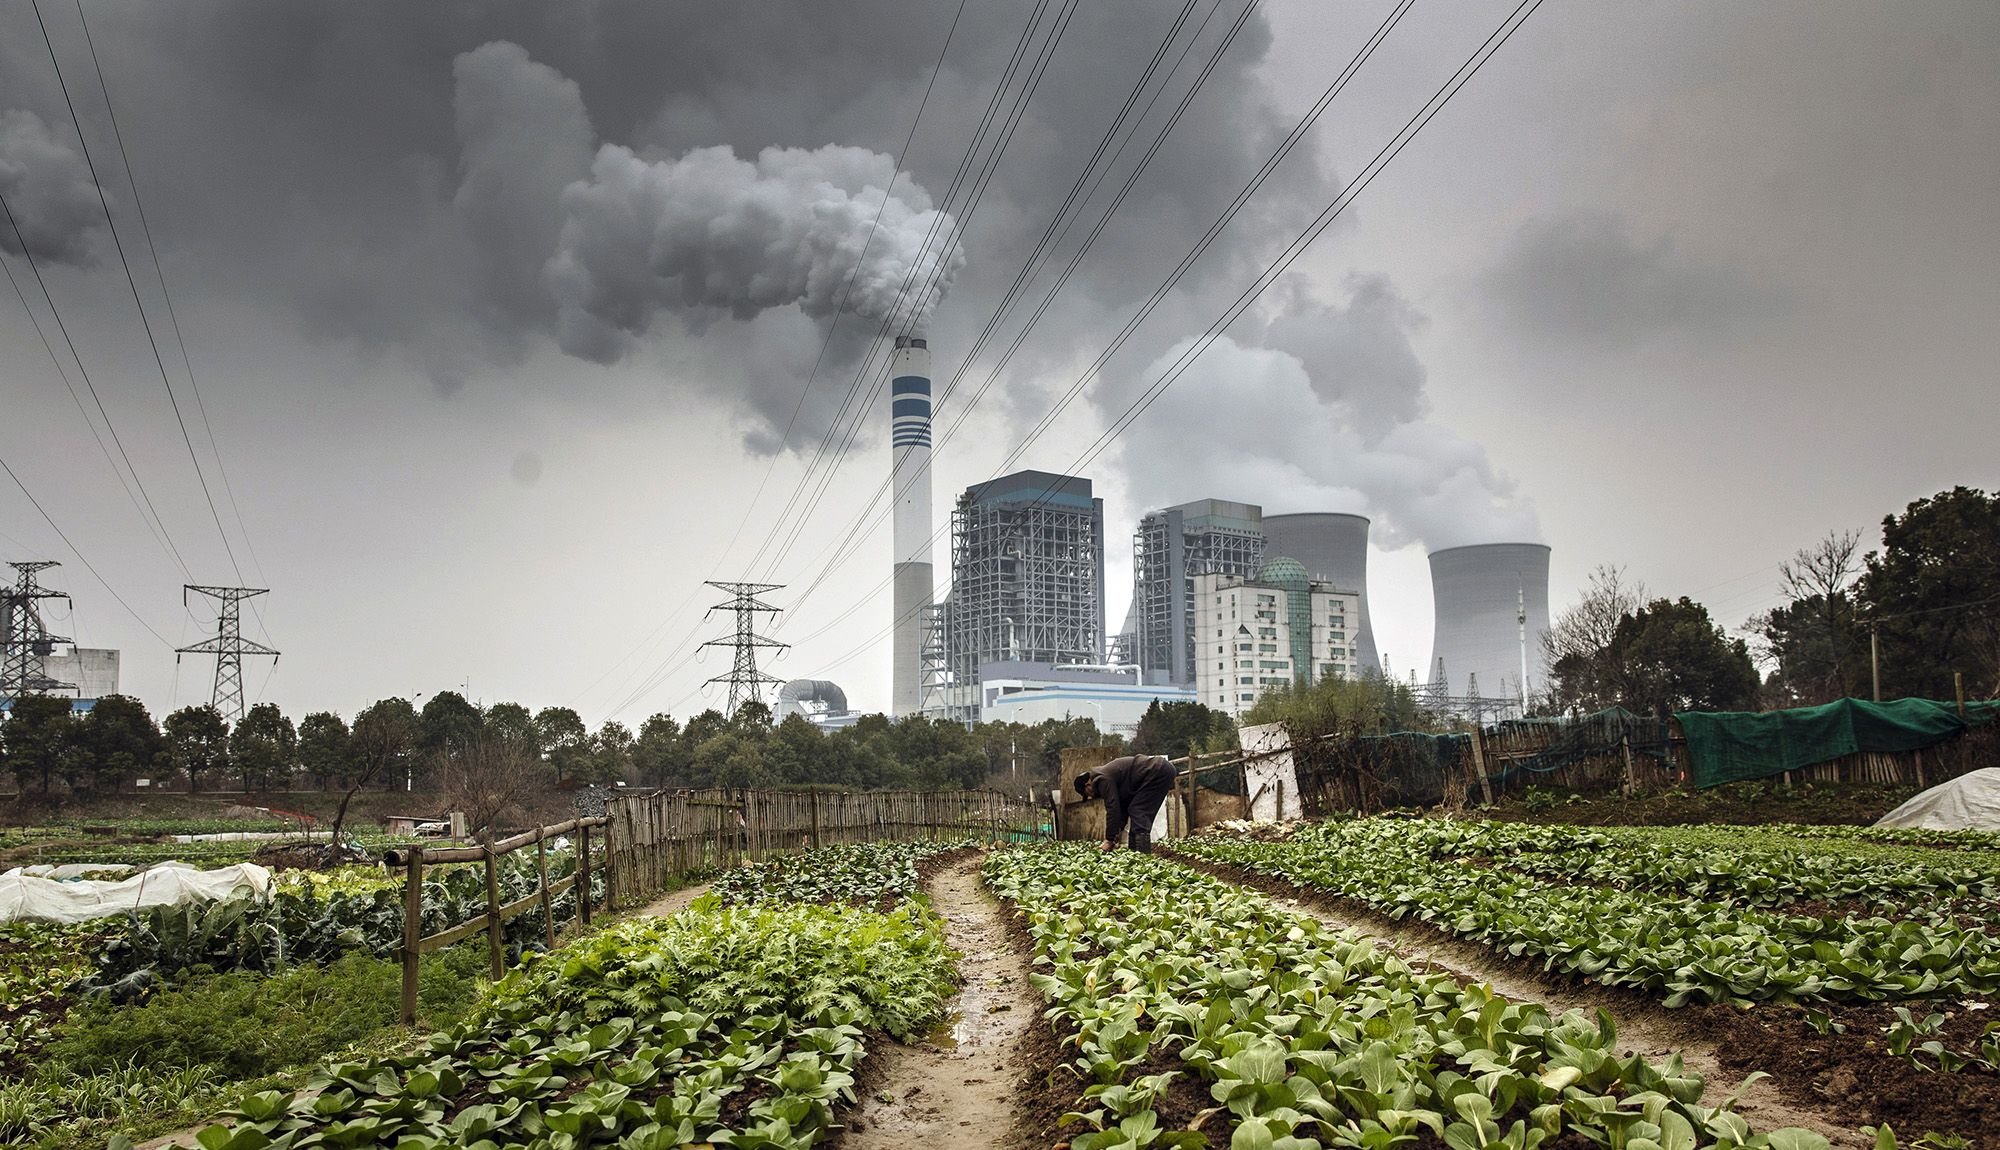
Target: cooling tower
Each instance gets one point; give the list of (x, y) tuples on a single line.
[(1332, 547), (1478, 593), (910, 479)]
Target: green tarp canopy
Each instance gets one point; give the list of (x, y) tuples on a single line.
[(1730, 746)]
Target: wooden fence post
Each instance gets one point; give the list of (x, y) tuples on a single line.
[(1625, 747), (1479, 765), (583, 873), (496, 946), (413, 917), (548, 905), (814, 795)]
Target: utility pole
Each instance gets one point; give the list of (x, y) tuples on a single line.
[(745, 680), (229, 646), (24, 641), (1875, 661)]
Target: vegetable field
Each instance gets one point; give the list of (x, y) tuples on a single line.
[(828, 997)]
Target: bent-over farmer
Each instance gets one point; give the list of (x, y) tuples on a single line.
[(1132, 789)]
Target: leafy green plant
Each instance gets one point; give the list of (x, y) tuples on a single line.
[(1306, 1036)]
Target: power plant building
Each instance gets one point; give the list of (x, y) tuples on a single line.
[(1170, 549), (1027, 575), (1333, 547), (910, 487), (1281, 628), (1492, 608)]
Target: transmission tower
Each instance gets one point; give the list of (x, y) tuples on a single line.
[(745, 680), (229, 646), (23, 638)]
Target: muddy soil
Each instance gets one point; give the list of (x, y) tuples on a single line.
[(959, 1086), (1643, 1027)]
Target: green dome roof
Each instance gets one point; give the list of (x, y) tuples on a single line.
[(1283, 571)]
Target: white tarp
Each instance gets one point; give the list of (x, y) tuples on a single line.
[(30, 896), (1970, 802)]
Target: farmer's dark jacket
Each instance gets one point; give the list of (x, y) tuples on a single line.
[(1118, 780)]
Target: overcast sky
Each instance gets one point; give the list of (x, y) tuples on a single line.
[(502, 316)]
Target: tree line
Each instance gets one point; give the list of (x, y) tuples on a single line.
[(1929, 596)]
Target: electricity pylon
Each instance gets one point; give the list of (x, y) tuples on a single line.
[(229, 646), (24, 641), (745, 680)]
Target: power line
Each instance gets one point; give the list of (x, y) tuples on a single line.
[(88, 565), (144, 320), (173, 318), (1004, 85), (1278, 266), (1228, 214), (157, 532)]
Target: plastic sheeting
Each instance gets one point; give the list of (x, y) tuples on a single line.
[(1970, 802), (30, 896), (1728, 746)]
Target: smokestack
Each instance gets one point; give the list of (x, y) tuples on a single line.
[(910, 479)]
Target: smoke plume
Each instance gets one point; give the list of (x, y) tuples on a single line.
[(1327, 415), (713, 233), (48, 190)]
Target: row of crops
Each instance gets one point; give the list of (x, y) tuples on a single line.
[(740, 1021), (1683, 915), (1302, 1036)]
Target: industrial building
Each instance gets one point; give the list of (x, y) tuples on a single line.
[(1334, 549), (92, 670), (1027, 586), (910, 487), (1492, 607), (820, 702), (1169, 550), (1282, 627), (1110, 696)]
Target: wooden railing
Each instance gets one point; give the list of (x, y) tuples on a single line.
[(657, 839), (412, 860)]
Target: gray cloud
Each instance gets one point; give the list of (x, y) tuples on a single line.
[(1583, 276), (49, 192), (1325, 416)]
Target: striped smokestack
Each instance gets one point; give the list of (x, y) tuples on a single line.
[(910, 477)]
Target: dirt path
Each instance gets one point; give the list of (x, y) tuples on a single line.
[(959, 1087), (674, 901), (1654, 1032)]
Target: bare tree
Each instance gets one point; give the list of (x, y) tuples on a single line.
[(1825, 570), (1576, 646), (489, 778), (382, 737)]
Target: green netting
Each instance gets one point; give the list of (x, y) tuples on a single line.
[(1582, 739), (1730, 746)]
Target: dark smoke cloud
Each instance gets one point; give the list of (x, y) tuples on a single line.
[(49, 192), (709, 231)]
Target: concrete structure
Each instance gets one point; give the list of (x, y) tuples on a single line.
[(1334, 549), (1027, 573), (1480, 594), (910, 487), (1279, 628), (1171, 548), (93, 670), (820, 702), (1110, 696)]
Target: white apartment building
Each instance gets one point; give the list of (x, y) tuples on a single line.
[(1281, 627)]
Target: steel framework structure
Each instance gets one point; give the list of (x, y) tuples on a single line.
[(746, 682), (1027, 563), (1169, 549), (24, 640), (228, 646)]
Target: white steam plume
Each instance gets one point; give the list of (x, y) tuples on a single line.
[(711, 232), (1329, 417)]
